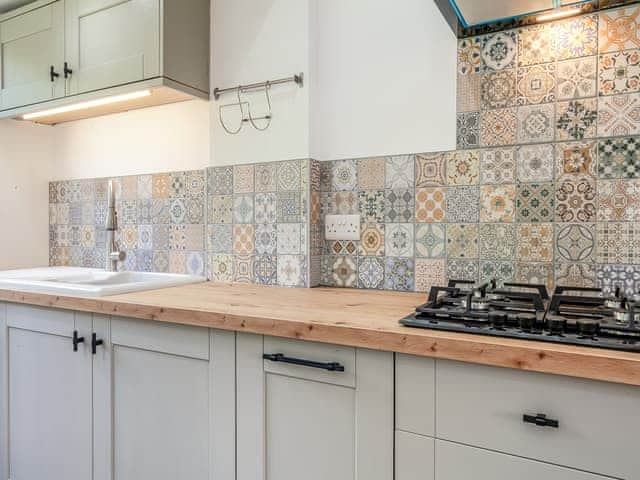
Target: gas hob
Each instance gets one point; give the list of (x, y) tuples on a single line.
[(575, 316)]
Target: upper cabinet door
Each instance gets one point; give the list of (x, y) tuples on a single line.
[(111, 43), (30, 46)]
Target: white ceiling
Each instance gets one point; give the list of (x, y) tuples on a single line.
[(6, 5)]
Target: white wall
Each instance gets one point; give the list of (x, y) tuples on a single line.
[(26, 166), (158, 139), (380, 77), (255, 41), (385, 79)]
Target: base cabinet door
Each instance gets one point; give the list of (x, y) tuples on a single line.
[(459, 462), (154, 400), (48, 405), (111, 42), (31, 45), (297, 419)]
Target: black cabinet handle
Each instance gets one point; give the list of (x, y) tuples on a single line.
[(76, 340), (279, 357), (540, 420), (53, 74), (67, 70), (95, 342)]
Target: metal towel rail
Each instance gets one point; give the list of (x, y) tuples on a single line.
[(247, 116), (297, 79)]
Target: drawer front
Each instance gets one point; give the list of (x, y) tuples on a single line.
[(459, 462), (414, 457), (484, 406), (39, 319), (183, 340), (314, 352), (415, 394)]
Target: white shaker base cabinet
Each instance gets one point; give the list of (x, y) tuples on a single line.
[(157, 389), (154, 402), (49, 396), (303, 421)]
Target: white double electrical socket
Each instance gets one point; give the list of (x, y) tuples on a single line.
[(342, 227)]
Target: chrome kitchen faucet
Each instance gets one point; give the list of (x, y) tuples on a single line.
[(113, 254)]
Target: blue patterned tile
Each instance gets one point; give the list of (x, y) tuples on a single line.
[(145, 260), (243, 208), (266, 238), (370, 273), (398, 274), (177, 211), (220, 180), (265, 207), (220, 238), (160, 212), (265, 270), (145, 212), (289, 207)]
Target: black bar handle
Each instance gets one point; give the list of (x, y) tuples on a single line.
[(53, 74), (279, 357), (95, 342), (76, 340), (67, 71), (540, 420)]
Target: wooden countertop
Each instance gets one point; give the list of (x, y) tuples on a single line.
[(356, 318)]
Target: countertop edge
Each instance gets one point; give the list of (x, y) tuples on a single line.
[(581, 362)]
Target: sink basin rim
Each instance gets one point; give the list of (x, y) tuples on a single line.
[(89, 282)]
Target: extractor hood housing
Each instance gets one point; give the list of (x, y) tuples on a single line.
[(482, 12)]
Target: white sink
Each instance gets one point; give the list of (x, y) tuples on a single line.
[(88, 281)]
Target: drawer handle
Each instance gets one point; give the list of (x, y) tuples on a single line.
[(540, 420), (76, 340), (279, 357)]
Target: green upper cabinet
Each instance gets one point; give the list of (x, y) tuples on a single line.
[(31, 45), (57, 53), (111, 42)]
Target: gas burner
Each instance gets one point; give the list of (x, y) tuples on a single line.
[(577, 316)]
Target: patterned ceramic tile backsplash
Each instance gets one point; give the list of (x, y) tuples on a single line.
[(557, 109), (257, 224), (161, 222), (245, 224), (544, 186)]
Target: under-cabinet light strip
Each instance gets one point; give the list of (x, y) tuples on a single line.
[(559, 14), (89, 104)]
